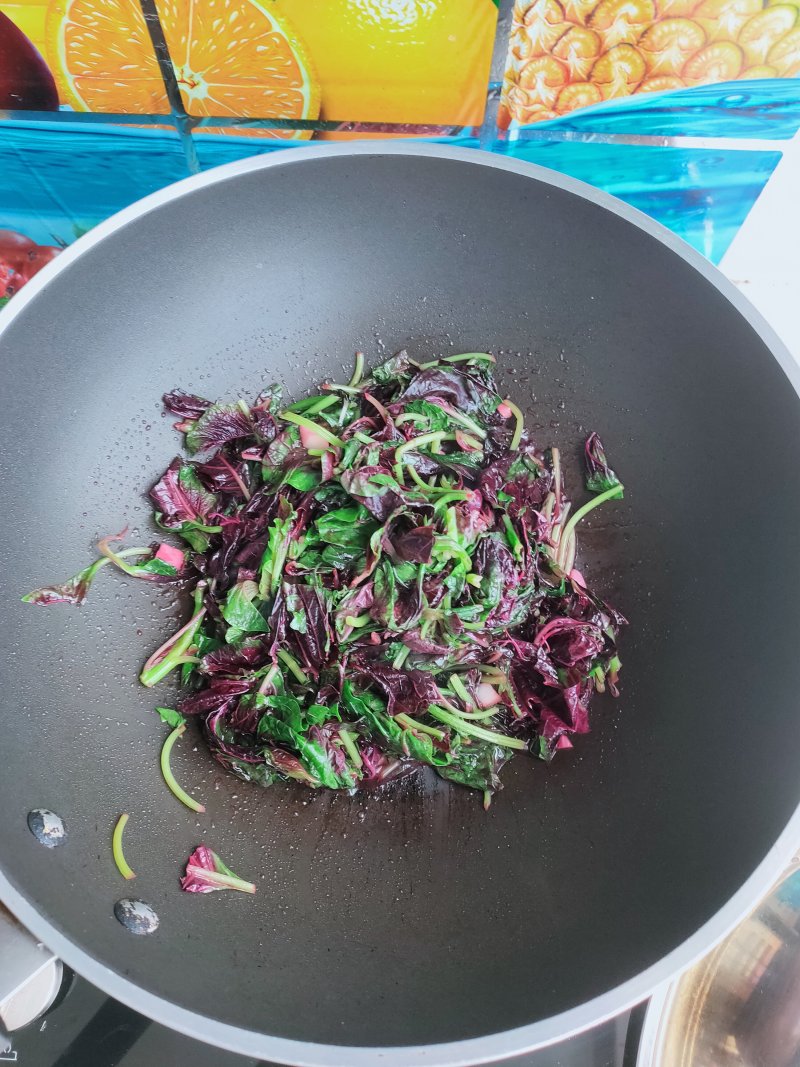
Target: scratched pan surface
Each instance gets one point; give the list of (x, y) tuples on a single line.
[(409, 918)]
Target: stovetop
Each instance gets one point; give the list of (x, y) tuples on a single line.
[(85, 1028)]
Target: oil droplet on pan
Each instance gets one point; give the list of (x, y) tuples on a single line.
[(47, 827)]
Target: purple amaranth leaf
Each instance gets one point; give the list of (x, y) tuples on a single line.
[(73, 591), (313, 643), (405, 691), (218, 425), (185, 405), (223, 475), (462, 391), (599, 476), (218, 693), (374, 487), (206, 873), (180, 497), (234, 660), (415, 545)]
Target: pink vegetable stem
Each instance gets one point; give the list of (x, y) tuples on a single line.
[(170, 555), (161, 652)]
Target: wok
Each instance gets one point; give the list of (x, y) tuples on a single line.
[(406, 926)]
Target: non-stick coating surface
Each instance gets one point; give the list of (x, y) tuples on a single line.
[(409, 916)]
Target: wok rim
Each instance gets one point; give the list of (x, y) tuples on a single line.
[(489, 1047)]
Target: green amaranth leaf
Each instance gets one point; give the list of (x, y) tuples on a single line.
[(350, 527), (303, 479), (171, 717), (274, 558), (476, 766), (239, 611), (437, 418), (310, 753), (396, 369), (397, 740)]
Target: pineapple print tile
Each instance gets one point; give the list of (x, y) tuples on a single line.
[(569, 54)]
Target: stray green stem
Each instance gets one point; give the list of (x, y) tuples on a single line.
[(411, 724), (301, 420), (116, 848), (599, 678), (517, 435), (351, 389), (224, 881), (485, 713), (461, 691), (512, 537), (358, 620), (117, 557), (485, 356), (268, 679), (291, 663), (171, 653), (312, 405), (401, 657), (347, 739), (555, 458), (358, 373), (590, 505), (169, 777), (470, 730), (449, 497), (427, 487), (505, 687), (445, 545), (432, 438), (468, 423)]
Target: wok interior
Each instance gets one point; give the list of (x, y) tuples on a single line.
[(410, 915)]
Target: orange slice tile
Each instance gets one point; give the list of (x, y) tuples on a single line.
[(103, 58), (236, 57)]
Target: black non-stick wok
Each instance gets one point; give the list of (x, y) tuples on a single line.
[(407, 921)]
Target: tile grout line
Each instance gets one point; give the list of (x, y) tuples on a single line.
[(179, 116)]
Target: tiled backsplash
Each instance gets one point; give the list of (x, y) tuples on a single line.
[(103, 101)]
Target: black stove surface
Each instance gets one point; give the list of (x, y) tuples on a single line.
[(88, 1029)]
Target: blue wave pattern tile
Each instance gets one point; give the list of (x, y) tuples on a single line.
[(703, 196), (214, 149), (57, 180), (768, 108)]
